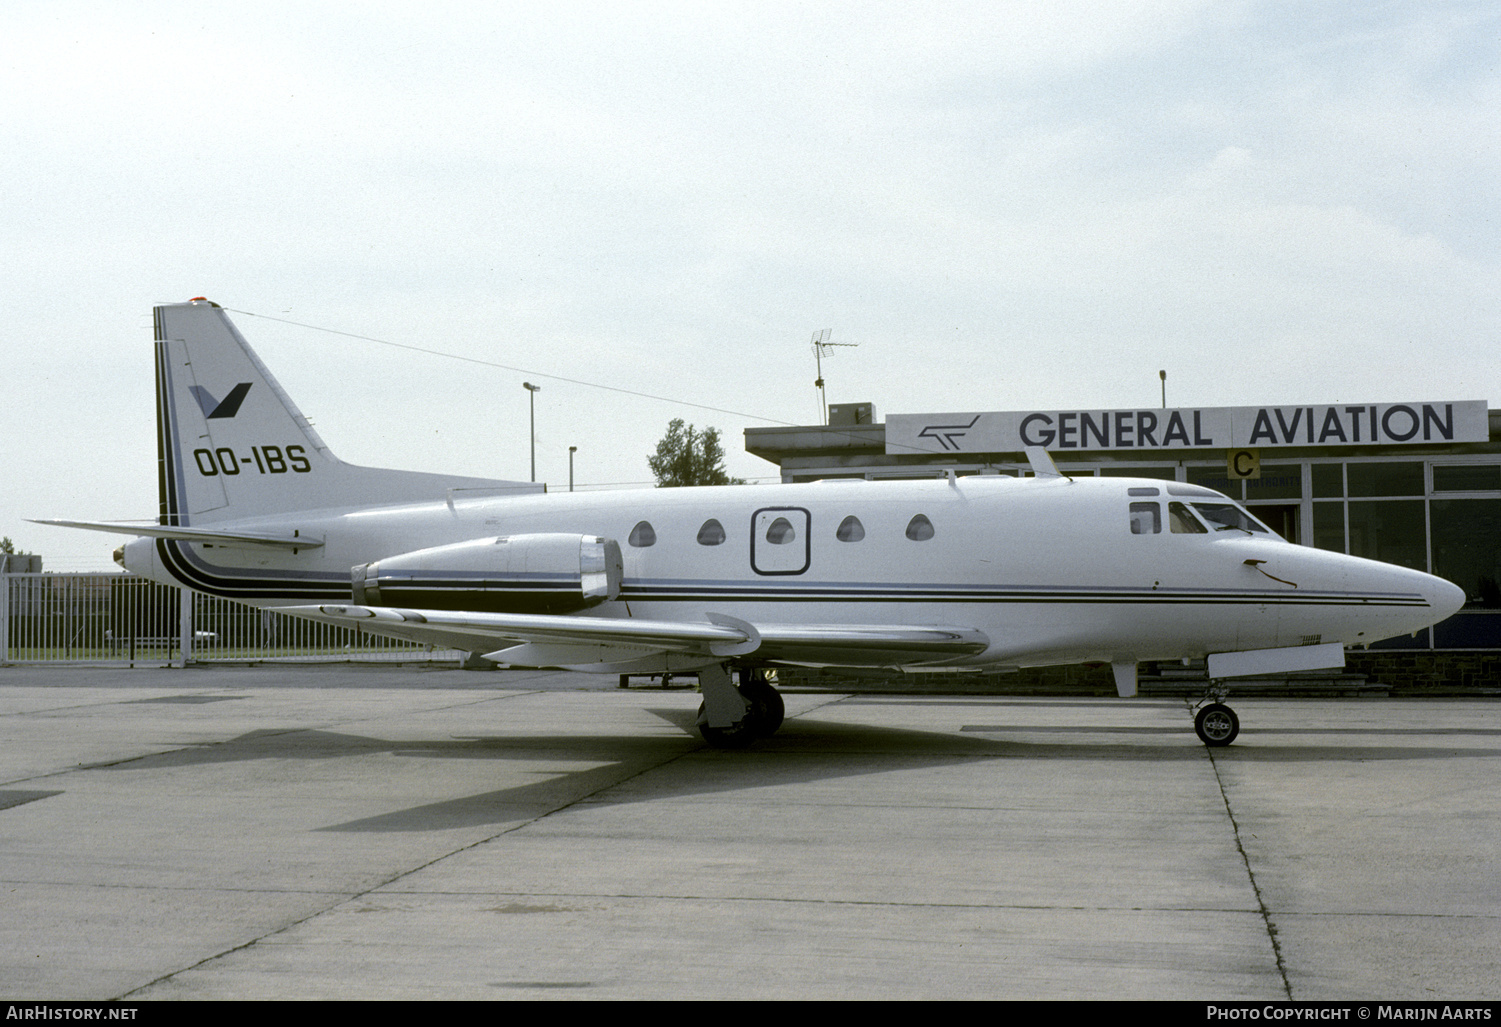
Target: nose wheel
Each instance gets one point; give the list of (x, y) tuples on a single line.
[(1216, 725)]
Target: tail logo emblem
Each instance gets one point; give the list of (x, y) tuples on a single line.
[(212, 407)]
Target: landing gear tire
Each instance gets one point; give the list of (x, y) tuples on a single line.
[(1217, 725), (766, 706), (764, 714), (736, 736)]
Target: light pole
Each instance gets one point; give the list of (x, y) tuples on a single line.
[(532, 391), (571, 450), (1163, 376)]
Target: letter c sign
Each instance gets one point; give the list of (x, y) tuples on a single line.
[(1243, 463)]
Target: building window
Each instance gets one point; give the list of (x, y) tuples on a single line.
[(1329, 526), (1387, 478), (1215, 478), (1328, 481), (919, 529), (1284, 481), (1165, 473), (643, 535), (1467, 478), (711, 534), (1467, 547), (1392, 532), (850, 529)]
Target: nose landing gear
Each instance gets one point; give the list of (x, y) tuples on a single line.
[(1216, 725)]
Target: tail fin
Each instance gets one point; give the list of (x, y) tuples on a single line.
[(232, 445)]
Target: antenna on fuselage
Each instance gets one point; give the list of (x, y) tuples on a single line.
[(1042, 463), (820, 343)]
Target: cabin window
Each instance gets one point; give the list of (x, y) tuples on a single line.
[(919, 529), (711, 534), (643, 535), (781, 532), (1146, 519), (850, 529)]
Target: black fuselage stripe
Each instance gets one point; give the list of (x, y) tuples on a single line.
[(1086, 598), (185, 568)]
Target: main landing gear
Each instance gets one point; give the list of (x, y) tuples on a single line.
[(1215, 723), (731, 717)]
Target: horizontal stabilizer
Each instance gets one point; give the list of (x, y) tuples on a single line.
[(238, 538)]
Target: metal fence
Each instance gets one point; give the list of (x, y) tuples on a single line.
[(127, 620)]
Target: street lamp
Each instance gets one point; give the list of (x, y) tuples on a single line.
[(571, 450), (532, 399)]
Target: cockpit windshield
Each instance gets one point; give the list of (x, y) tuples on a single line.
[(1225, 516), (1199, 516)]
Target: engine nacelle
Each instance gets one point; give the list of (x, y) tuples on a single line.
[(541, 573)]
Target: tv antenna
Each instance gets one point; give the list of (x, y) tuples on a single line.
[(820, 343)]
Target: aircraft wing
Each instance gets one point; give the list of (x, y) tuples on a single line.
[(547, 640)]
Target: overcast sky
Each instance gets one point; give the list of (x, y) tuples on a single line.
[(1007, 205)]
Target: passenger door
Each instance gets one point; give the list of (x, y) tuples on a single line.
[(781, 542)]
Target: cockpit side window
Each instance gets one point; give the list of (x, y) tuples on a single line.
[(1146, 519), (1181, 520)]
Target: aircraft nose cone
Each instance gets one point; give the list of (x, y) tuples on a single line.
[(1444, 596)]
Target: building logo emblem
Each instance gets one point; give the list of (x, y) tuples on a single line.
[(946, 434)]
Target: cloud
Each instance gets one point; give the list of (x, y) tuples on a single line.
[(1006, 204)]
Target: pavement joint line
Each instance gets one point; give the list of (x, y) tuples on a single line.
[(343, 898), (796, 900), (1266, 915)]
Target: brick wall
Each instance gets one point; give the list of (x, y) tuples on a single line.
[(1467, 672)]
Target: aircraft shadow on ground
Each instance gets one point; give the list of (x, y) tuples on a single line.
[(619, 769)]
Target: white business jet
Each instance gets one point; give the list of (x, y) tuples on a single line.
[(969, 573)]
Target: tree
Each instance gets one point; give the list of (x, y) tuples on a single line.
[(686, 456), (7, 550)]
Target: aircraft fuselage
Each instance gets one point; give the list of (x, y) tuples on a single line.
[(1049, 569)]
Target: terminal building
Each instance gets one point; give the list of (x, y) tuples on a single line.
[(1410, 483)]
